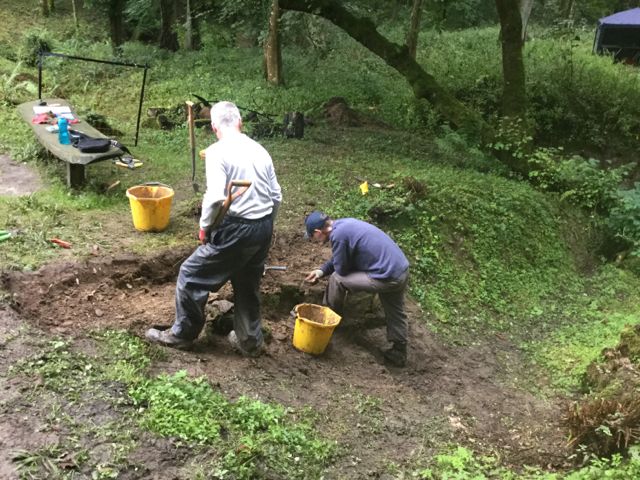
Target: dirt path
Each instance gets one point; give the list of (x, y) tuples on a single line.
[(379, 414), (17, 179)]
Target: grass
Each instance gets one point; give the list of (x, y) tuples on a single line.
[(569, 343)]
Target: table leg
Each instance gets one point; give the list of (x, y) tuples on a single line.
[(75, 175)]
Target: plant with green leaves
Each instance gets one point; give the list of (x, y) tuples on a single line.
[(257, 437), (624, 218), (12, 89)]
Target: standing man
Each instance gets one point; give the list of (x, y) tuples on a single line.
[(364, 259), (235, 250)]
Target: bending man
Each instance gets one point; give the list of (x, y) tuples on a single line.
[(364, 259)]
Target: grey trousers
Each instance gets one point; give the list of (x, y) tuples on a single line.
[(236, 251), (391, 293)]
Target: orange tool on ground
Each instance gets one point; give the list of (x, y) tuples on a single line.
[(61, 243)]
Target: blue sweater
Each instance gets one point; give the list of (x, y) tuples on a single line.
[(358, 246)]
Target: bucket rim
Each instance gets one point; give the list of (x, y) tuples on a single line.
[(170, 194), (318, 325), (336, 318)]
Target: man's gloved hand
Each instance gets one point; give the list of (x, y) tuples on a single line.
[(202, 236), (314, 276)]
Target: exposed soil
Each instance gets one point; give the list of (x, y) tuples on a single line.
[(17, 179), (446, 393)]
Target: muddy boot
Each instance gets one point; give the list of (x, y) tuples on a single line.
[(396, 356), (167, 338), (235, 344)]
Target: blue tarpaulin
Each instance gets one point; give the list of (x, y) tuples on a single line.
[(619, 35)]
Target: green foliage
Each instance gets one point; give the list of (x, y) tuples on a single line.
[(460, 463), (624, 218), (12, 89), (51, 213), (600, 106), (240, 16), (615, 468), (461, 14), (578, 331), (575, 98), (130, 355), (254, 436), (174, 406), (122, 357), (57, 366), (143, 15), (34, 42), (582, 182)]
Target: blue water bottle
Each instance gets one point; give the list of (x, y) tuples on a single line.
[(63, 131)]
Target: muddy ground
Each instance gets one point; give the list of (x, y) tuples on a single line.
[(447, 393)]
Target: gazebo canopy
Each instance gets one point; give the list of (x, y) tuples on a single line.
[(619, 35), (628, 18)]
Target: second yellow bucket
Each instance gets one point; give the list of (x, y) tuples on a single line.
[(150, 206), (314, 327)]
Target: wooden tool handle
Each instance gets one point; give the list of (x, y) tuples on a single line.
[(243, 186)]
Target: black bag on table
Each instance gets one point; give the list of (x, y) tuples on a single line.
[(92, 145), (87, 144)]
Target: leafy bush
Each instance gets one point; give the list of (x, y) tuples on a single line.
[(34, 42), (581, 181), (624, 218)]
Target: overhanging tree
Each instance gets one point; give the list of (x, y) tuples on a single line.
[(424, 85)]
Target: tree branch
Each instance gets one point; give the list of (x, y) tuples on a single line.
[(397, 56)]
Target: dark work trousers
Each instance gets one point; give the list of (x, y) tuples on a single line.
[(391, 293), (235, 251)]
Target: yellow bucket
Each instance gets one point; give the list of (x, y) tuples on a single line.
[(314, 327), (150, 206)]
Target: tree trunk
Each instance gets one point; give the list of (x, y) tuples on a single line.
[(192, 32), (566, 8), (514, 94), (423, 84), (74, 10), (116, 24), (272, 50), (168, 38), (525, 13), (52, 6), (414, 28), (514, 98), (44, 7)]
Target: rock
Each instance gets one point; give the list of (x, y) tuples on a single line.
[(339, 114), (223, 306)]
